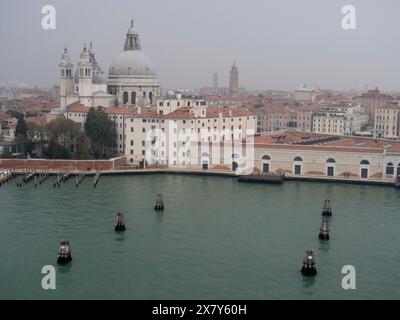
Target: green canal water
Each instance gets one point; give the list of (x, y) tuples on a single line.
[(216, 239)]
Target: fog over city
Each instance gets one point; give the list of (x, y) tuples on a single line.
[(276, 44)]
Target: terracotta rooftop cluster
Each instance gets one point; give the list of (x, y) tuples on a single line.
[(181, 113), (314, 141)]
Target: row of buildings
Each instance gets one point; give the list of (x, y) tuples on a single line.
[(338, 120), (359, 116), (163, 135), (306, 134), (214, 132)]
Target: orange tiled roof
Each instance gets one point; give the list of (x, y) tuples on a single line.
[(77, 107), (315, 141), (41, 121), (237, 112), (181, 113)]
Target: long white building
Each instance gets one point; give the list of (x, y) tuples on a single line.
[(163, 135)]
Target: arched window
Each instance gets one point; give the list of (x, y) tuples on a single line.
[(144, 94), (265, 165), (366, 162), (151, 97), (390, 168), (133, 97), (297, 159), (125, 97), (331, 160)]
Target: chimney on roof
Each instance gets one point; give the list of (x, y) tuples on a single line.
[(139, 110), (230, 112)]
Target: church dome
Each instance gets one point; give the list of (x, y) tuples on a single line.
[(131, 63)]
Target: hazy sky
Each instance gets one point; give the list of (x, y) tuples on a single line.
[(277, 44)]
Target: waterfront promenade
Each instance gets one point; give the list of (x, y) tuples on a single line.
[(116, 166)]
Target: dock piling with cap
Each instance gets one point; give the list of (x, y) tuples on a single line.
[(159, 203), (309, 264), (324, 230), (96, 179), (327, 209)]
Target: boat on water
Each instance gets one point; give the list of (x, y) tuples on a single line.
[(64, 253)]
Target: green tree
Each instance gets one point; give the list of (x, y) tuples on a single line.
[(21, 128), (20, 135), (37, 138), (57, 151), (20, 143), (101, 132), (64, 132), (82, 151)]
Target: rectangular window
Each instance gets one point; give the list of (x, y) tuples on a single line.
[(364, 173)]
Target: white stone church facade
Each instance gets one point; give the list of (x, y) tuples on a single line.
[(131, 82)]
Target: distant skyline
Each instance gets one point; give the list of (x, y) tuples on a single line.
[(276, 44)]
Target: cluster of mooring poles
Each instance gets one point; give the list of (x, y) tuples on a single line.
[(39, 177), (64, 252), (25, 177), (309, 264)]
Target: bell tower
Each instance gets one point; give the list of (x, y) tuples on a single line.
[(66, 79), (85, 73)]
